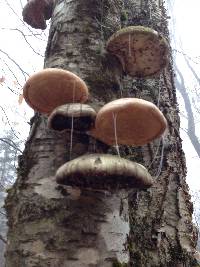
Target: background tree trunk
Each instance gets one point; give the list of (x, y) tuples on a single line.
[(51, 225)]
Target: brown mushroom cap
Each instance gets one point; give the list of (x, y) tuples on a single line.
[(141, 50), (103, 171), (137, 122), (48, 10), (83, 117), (50, 88), (36, 12)]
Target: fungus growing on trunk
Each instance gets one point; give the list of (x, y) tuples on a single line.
[(81, 115), (142, 51), (103, 172), (50, 88), (129, 121), (36, 12)]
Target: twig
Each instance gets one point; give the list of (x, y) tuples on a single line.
[(10, 143), (11, 71), (22, 21), (3, 239), (23, 72), (14, 29), (3, 213), (9, 122)]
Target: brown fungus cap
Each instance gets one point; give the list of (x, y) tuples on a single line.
[(137, 122), (141, 50), (50, 88), (82, 115), (104, 172), (36, 12)]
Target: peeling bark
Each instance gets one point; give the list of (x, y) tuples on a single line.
[(51, 225)]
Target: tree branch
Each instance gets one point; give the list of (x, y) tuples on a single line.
[(3, 239), (191, 123)]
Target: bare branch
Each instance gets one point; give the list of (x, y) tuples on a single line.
[(9, 123), (192, 70), (191, 124), (11, 143), (2, 213), (186, 56), (21, 4), (36, 35), (11, 72), (14, 29), (23, 72), (3, 239)]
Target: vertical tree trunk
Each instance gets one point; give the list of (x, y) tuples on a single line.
[(162, 233), (50, 225)]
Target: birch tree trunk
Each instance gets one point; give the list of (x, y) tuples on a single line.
[(51, 225)]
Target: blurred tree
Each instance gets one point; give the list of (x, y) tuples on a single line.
[(9, 150), (186, 87)]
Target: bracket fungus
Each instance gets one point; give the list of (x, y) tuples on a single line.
[(50, 88), (142, 51), (36, 12), (82, 115), (129, 121), (103, 172)]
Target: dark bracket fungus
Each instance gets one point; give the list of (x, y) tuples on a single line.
[(50, 88), (103, 172), (81, 115), (129, 121), (141, 50), (36, 12)]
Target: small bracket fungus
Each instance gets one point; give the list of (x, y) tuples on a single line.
[(103, 172), (36, 12), (83, 117), (129, 121), (141, 50), (50, 88)]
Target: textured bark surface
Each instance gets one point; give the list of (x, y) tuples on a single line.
[(51, 225), (162, 233)]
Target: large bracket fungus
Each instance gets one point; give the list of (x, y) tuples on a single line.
[(103, 172), (129, 121), (36, 12), (142, 51), (50, 88), (81, 115)]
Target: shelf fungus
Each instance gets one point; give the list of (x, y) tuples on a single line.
[(36, 12), (129, 121), (103, 172), (50, 88), (142, 51), (80, 117)]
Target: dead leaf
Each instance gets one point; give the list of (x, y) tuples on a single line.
[(15, 83), (20, 99), (2, 79)]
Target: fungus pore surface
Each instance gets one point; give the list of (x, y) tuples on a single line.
[(103, 172), (79, 116), (142, 51)]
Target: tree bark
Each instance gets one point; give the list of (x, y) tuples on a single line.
[(51, 225)]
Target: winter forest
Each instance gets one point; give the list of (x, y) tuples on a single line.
[(81, 184)]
